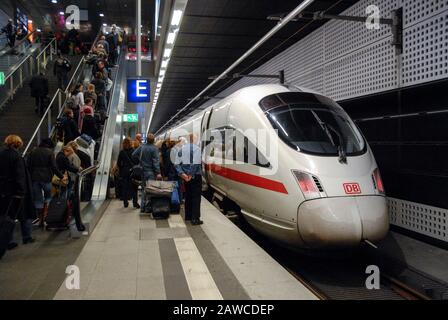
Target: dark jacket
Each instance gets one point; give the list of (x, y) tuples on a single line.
[(39, 86), (61, 67), (16, 185), (86, 162), (70, 129), (90, 127), (12, 173), (42, 165), (64, 164), (100, 86), (125, 162), (112, 39)]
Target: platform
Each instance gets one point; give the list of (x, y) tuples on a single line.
[(130, 256)]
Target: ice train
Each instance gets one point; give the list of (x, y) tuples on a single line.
[(325, 190)]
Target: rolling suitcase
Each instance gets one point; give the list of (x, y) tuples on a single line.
[(159, 194), (59, 212), (161, 207)]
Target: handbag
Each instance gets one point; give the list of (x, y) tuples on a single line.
[(159, 188), (60, 182), (137, 170)]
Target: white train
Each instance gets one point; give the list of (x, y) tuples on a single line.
[(325, 192)]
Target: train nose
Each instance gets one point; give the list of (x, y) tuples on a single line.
[(343, 221)]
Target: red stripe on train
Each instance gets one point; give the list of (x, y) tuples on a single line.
[(247, 178)]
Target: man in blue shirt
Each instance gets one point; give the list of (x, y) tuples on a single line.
[(188, 167), (149, 158)]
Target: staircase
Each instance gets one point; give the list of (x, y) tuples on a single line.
[(18, 116), (8, 60)]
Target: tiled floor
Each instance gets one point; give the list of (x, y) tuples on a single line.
[(130, 256)]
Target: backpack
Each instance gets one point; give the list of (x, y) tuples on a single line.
[(67, 65)]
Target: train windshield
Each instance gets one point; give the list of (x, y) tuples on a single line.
[(313, 124)]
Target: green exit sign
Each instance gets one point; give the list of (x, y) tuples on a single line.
[(130, 118), (2, 78)]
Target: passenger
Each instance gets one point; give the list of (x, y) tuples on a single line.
[(78, 101), (188, 167), (169, 171), (89, 125), (87, 107), (10, 31), (42, 166), (138, 140), (73, 39), (90, 94), (61, 69), (39, 91), (112, 38), (102, 41), (69, 127), (15, 191), (65, 165), (125, 163), (148, 157), (100, 89)]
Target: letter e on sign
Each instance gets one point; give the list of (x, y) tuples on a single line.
[(352, 188)]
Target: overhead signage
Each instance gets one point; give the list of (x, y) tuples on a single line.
[(2, 78), (138, 91)]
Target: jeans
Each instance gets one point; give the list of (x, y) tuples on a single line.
[(41, 194), (40, 104)]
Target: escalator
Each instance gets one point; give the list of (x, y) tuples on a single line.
[(18, 115)]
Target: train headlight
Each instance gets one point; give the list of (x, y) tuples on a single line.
[(308, 184), (378, 182)]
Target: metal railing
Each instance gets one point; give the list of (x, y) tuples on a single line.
[(29, 66), (42, 58), (45, 128), (59, 99)]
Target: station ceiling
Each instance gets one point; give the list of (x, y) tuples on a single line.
[(120, 12), (215, 33)]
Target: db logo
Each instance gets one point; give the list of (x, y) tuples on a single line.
[(352, 188)]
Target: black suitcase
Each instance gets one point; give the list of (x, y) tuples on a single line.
[(59, 212), (161, 207), (6, 228)]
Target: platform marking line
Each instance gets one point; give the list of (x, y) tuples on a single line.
[(176, 221), (199, 280)]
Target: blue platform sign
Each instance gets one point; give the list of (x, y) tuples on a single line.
[(138, 90)]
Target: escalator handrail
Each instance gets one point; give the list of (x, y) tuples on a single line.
[(17, 44), (40, 124), (59, 91), (44, 49)]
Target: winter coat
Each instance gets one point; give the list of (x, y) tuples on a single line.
[(42, 165), (39, 86)]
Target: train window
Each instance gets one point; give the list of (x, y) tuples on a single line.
[(315, 125)]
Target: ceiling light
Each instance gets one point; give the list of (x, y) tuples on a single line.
[(101, 14), (167, 52), (30, 21), (104, 24), (54, 1), (61, 13), (177, 15)]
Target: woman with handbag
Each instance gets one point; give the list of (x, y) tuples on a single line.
[(42, 167), (125, 164)]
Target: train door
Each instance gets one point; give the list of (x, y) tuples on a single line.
[(205, 141)]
